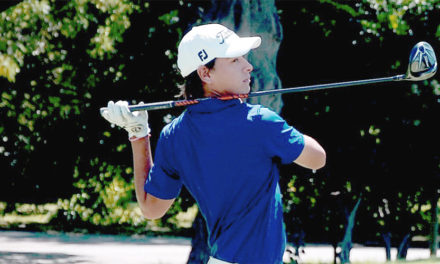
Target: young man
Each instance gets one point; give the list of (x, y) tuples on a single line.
[(226, 153)]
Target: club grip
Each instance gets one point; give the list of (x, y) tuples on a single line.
[(149, 106), (156, 106)]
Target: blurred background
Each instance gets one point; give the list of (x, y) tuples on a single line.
[(64, 168)]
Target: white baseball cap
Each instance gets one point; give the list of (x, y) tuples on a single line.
[(204, 43)]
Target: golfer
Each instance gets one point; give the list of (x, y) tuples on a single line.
[(225, 152)]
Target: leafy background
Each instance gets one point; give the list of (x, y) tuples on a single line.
[(65, 168)]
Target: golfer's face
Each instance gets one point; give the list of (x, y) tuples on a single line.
[(231, 75)]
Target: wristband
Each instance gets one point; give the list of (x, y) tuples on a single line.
[(134, 138)]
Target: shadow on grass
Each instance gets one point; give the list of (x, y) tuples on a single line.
[(31, 257), (72, 238), (417, 261)]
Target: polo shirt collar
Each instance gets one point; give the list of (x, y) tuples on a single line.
[(213, 105)]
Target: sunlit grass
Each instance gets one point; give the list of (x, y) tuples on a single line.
[(24, 219), (421, 261), (42, 214), (43, 217), (25, 214)]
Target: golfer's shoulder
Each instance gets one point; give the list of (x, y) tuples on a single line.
[(172, 127), (262, 114)]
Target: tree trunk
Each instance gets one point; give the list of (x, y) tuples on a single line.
[(200, 250), (247, 18), (402, 251), (433, 241), (387, 239), (346, 243), (257, 17), (335, 253)]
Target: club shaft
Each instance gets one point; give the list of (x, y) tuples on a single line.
[(171, 104), (327, 86)]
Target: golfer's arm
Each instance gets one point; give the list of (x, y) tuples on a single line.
[(313, 155), (151, 207)]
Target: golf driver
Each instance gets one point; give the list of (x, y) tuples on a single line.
[(422, 65)]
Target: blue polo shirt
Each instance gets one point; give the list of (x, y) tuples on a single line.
[(226, 154)]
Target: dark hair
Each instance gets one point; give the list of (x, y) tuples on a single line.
[(193, 88)]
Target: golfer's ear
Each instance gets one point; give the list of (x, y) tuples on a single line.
[(204, 74)]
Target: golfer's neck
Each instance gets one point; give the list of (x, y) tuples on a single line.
[(210, 92)]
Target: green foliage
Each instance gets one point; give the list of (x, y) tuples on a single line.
[(8, 67), (105, 198), (62, 60), (380, 141), (40, 39), (377, 16)]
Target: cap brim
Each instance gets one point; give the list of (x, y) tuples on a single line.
[(242, 46)]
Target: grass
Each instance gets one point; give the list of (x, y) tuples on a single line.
[(421, 261), (40, 216), (424, 261), (122, 220), (27, 214)]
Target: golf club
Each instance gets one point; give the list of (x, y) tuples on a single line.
[(422, 65)]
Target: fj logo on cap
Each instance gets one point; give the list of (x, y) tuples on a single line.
[(202, 55)]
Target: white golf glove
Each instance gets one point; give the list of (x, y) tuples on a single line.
[(136, 123)]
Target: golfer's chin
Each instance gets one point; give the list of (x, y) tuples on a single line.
[(237, 91), (245, 90)]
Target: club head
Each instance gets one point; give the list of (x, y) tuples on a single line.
[(422, 62)]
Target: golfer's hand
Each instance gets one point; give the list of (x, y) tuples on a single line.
[(136, 123)]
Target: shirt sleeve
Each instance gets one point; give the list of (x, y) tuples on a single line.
[(280, 139), (163, 181)]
